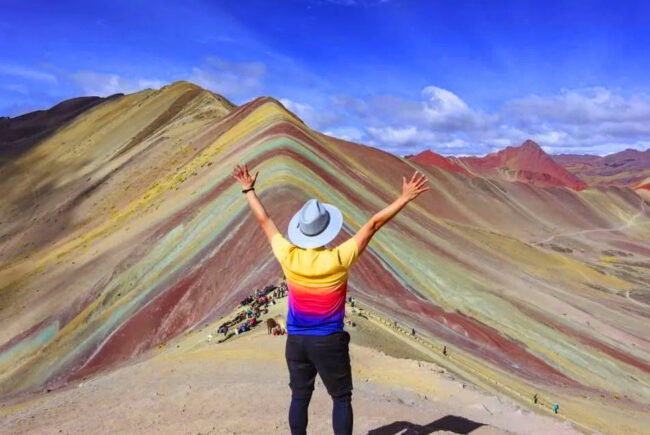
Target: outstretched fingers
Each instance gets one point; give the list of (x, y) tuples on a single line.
[(418, 178), (240, 173)]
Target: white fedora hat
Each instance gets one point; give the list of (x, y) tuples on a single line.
[(316, 224)]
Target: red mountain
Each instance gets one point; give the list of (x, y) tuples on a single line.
[(430, 158), (526, 163)]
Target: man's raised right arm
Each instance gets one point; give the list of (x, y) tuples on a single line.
[(410, 190)]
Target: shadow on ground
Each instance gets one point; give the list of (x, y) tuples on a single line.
[(451, 423)]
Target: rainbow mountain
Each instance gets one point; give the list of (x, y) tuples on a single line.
[(121, 229)]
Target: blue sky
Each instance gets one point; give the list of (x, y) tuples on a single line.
[(458, 77)]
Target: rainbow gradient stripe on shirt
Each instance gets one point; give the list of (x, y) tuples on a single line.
[(316, 311), (317, 280)]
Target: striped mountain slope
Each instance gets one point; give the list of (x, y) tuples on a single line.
[(123, 229)]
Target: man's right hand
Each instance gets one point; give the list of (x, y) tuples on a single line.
[(415, 186)]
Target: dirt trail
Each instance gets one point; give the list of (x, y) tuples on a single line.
[(631, 222), (241, 386)]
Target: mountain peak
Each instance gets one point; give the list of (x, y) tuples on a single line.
[(529, 148), (431, 158), (527, 163), (529, 143)]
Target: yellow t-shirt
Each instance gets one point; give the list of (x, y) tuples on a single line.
[(317, 283)]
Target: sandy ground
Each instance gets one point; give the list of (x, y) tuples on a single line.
[(240, 386)]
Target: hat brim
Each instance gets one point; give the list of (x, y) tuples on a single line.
[(329, 233)]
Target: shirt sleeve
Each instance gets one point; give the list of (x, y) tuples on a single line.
[(280, 246), (348, 252)]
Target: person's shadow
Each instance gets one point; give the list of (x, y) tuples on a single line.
[(451, 423)]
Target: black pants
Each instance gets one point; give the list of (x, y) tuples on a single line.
[(329, 356)]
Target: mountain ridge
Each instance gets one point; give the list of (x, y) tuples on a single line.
[(431, 158), (525, 163), (133, 242)]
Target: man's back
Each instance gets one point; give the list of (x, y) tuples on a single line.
[(317, 282)]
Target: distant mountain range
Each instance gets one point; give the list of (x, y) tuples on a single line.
[(625, 168), (529, 163)]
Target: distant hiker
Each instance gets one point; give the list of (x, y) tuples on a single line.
[(270, 324), (412, 331), (395, 324), (556, 407), (316, 278), (444, 350), (535, 398)]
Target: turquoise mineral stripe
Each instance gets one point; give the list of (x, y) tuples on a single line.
[(29, 345)]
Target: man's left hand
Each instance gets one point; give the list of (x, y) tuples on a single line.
[(245, 179)]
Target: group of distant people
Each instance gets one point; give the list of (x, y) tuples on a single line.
[(261, 295), (255, 305)]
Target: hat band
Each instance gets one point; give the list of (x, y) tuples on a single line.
[(314, 232)]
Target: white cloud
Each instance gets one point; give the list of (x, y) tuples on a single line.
[(26, 73), (579, 107), (346, 102), (102, 84), (595, 120), (441, 104), (348, 133), (314, 118), (550, 138), (438, 110), (231, 79), (396, 136), (446, 109)]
